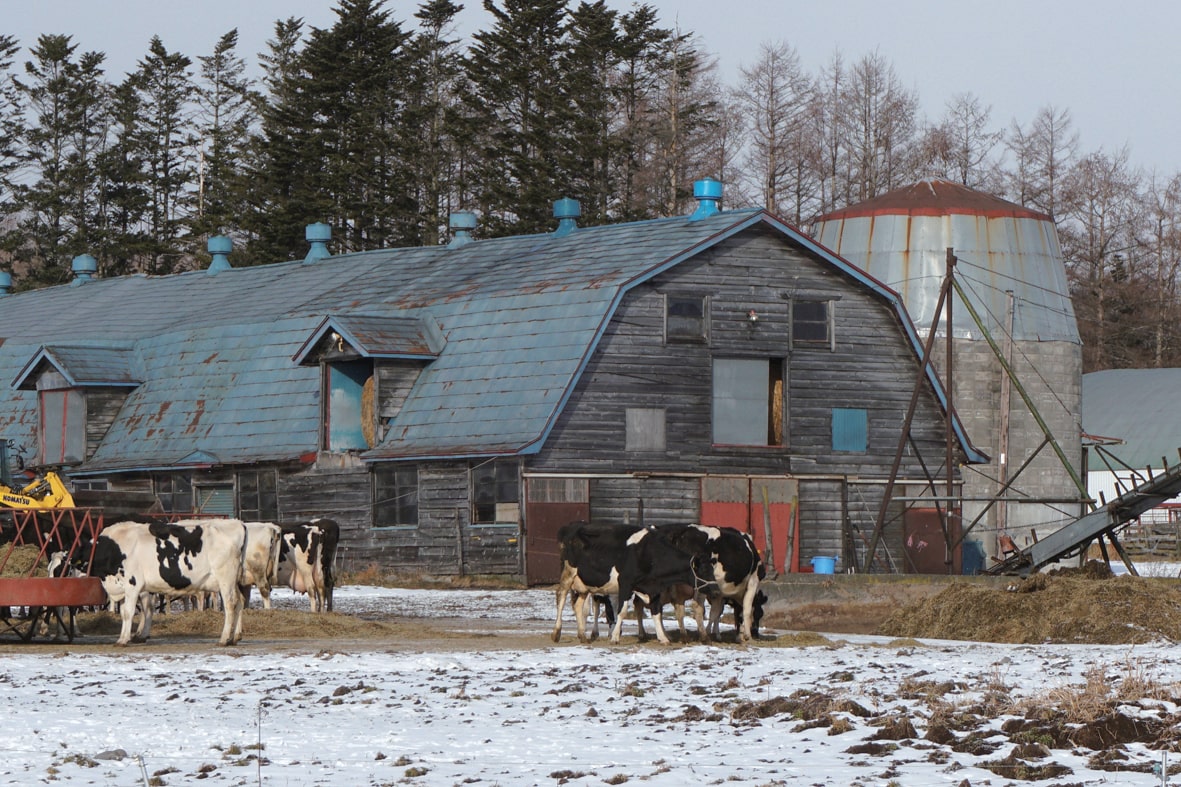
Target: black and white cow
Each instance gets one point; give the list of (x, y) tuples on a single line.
[(727, 563), (656, 565), (172, 560), (591, 556), (307, 560)]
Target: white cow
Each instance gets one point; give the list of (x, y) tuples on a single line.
[(172, 560)]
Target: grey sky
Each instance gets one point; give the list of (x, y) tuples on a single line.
[(1114, 67)]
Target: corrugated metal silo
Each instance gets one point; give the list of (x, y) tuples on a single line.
[(1011, 266)]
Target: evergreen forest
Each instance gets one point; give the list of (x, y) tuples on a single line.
[(382, 127)]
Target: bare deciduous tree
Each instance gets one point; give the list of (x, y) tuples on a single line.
[(775, 98)]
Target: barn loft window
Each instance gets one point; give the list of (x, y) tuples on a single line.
[(686, 318), (850, 429), (812, 323), (63, 426), (496, 493), (645, 429), (258, 498), (749, 401), (395, 495), (349, 420)]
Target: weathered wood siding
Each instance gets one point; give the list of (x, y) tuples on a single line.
[(444, 543), (873, 367), (102, 405)]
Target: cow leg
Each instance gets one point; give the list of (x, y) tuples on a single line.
[(580, 600), (642, 633), (147, 608), (699, 617), (620, 614), (748, 612), (717, 605), (656, 605), (127, 614), (231, 601), (560, 599), (679, 611)]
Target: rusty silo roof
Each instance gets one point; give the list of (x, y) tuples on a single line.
[(936, 198)]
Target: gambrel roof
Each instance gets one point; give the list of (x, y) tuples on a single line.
[(504, 327)]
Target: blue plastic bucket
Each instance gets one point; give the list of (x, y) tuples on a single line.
[(824, 565)]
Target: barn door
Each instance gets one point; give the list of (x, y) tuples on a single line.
[(764, 506), (550, 503), (923, 543)]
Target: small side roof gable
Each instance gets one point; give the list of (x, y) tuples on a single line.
[(377, 337), (80, 366)]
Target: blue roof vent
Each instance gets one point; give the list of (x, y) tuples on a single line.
[(462, 223), (566, 211), (318, 235), (5, 283), (708, 193), (84, 267), (219, 246)]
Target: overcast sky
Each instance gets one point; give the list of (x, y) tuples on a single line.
[(1115, 67)]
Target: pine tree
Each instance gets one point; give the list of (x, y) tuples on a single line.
[(353, 93), (644, 58), (591, 68), (431, 121), (58, 205), (518, 96), (124, 246), (166, 142), (226, 102), (11, 122), (281, 194)]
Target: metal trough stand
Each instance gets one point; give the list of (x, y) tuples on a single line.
[(45, 598)]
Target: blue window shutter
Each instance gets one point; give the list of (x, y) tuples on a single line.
[(850, 429)]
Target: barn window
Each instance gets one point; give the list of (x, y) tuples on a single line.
[(175, 493), (749, 401), (645, 429), (850, 429), (258, 498), (395, 495), (213, 499), (63, 426), (811, 323), (496, 493), (349, 422), (686, 318)]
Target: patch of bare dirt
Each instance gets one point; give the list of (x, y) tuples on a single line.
[(1082, 605)]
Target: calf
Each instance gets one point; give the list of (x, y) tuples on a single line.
[(172, 560), (307, 557)]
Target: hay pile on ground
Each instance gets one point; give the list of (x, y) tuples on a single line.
[(1086, 605)]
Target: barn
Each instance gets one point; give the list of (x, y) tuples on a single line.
[(452, 406)]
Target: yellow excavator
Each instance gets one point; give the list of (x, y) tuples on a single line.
[(47, 490)]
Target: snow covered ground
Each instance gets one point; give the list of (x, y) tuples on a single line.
[(565, 714)]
